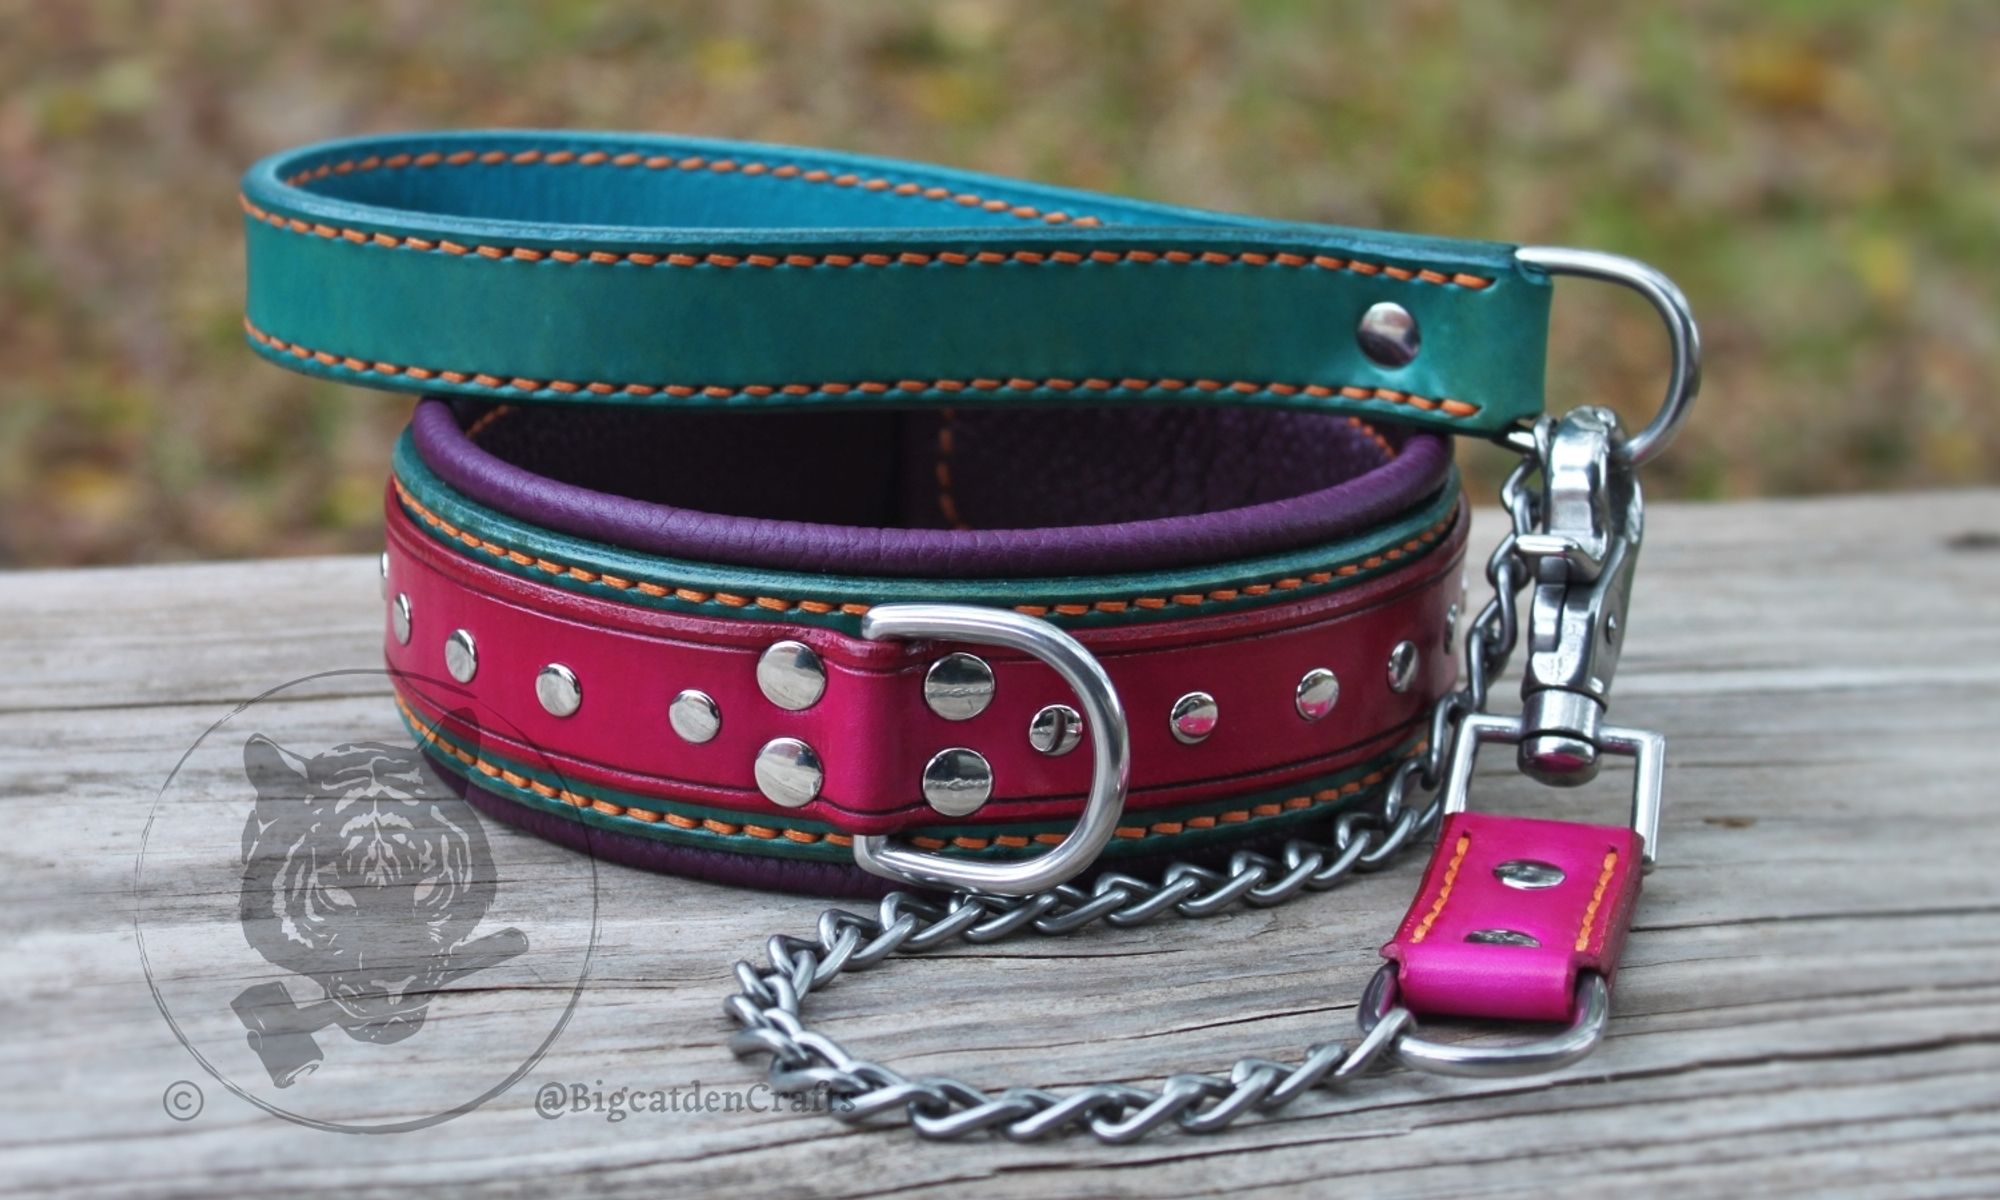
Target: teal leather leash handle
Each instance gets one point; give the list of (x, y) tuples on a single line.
[(632, 268)]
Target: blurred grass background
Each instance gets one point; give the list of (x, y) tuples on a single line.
[(1821, 176)]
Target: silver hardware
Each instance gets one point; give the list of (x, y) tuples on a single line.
[(383, 565), (1403, 659), (791, 676), (399, 618), (461, 656), (559, 690), (1646, 749), (958, 687), (1683, 339), (788, 772), (767, 1006), (1503, 937), (957, 782), (1193, 718), (1529, 875), (695, 716), (1055, 730), (1317, 693), (1451, 616), (1388, 334), (1593, 1012), (1582, 556), (1110, 750)]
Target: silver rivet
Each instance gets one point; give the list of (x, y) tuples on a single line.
[(1502, 937), (1193, 718), (1451, 616), (790, 676), (957, 781), (1388, 334), (1402, 666), (1318, 692), (384, 564), (958, 687), (695, 716), (788, 772), (399, 618), (1528, 874), (557, 688), (461, 657), (1055, 730)]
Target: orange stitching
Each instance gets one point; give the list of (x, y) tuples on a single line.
[(776, 604), (1444, 892), (983, 258), (1596, 898), (1452, 408), (810, 836), (947, 502), (478, 427), (720, 166)]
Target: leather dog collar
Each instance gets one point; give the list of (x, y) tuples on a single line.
[(794, 512)]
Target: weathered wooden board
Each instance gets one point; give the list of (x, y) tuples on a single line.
[(1810, 1006)]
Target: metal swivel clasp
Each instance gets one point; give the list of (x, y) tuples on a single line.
[(1581, 561)]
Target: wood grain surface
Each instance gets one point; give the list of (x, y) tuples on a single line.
[(1810, 1003)]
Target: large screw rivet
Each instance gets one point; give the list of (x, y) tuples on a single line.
[(1056, 730), (1388, 334), (958, 687), (1193, 717), (557, 687), (1403, 666), (957, 781), (461, 656), (1318, 692), (790, 676), (788, 772), (695, 716), (1528, 874)]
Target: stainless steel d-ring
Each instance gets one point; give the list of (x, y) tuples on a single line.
[(1586, 1029), (1104, 719), (1683, 339)]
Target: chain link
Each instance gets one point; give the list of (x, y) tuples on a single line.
[(939, 1107)]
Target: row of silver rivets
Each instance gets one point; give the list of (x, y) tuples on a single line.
[(1055, 730), (791, 676), (957, 781), (958, 687), (788, 772), (695, 716)]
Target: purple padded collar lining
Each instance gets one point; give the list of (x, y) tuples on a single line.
[(1181, 488)]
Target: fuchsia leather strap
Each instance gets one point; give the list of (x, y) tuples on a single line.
[(1510, 912), (872, 729)]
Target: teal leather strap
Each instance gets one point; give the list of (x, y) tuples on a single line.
[(640, 269)]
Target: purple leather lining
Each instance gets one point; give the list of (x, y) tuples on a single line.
[(877, 493)]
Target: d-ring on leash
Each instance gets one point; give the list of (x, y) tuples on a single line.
[(1496, 907)]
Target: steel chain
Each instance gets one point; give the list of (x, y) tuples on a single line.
[(804, 1060)]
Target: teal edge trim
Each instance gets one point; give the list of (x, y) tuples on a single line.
[(1433, 518), (824, 851)]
